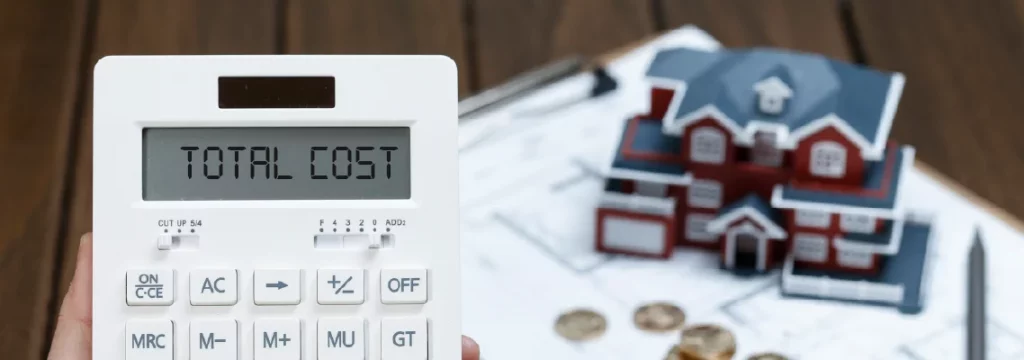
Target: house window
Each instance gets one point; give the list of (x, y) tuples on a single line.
[(707, 145), (704, 194), (810, 247), (697, 228), (647, 188), (855, 259), (828, 159), (857, 223), (766, 151), (772, 94), (813, 219)]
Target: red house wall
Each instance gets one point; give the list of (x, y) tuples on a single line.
[(660, 100)]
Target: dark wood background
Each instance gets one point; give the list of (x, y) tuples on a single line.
[(963, 60)]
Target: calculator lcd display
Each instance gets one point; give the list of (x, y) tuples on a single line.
[(273, 163)]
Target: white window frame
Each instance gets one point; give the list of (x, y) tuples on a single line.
[(857, 223), (648, 188), (855, 259), (697, 199), (828, 159), (705, 154), (771, 104), (697, 228), (810, 247), (813, 219)]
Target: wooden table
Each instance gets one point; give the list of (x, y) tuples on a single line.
[(962, 60)]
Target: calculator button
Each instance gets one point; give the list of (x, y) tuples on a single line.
[(213, 287), (213, 340), (340, 286), (341, 339), (277, 287), (149, 340), (149, 287), (277, 339), (403, 338), (403, 286)]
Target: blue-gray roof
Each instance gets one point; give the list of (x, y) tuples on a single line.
[(642, 140), (755, 202), (880, 189), (820, 85)]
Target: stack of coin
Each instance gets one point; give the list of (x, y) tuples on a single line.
[(580, 325), (707, 342), (674, 353), (767, 356), (659, 317)]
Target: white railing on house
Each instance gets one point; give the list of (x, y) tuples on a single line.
[(638, 203), (826, 287)]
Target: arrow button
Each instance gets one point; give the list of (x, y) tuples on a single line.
[(277, 286)]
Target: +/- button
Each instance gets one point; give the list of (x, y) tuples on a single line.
[(340, 286)]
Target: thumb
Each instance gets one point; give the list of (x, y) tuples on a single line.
[(72, 339)]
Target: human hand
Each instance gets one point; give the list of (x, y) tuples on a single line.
[(73, 338)]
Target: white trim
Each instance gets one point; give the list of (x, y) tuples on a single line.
[(895, 238), (730, 245), (706, 236), (697, 186), (892, 100), (828, 160), (652, 177), (825, 287), (675, 127), (896, 212), (638, 204), (851, 223), (855, 259), (812, 219), (773, 230), (803, 241), (707, 135)]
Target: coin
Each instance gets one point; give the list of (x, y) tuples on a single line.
[(580, 324), (707, 342), (673, 354), (767, 356), (659, 317)]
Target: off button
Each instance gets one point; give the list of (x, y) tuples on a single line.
[(403, 286)]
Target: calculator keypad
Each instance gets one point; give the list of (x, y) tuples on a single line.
[(341, 338)]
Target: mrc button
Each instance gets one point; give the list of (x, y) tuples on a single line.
[(403, 286)]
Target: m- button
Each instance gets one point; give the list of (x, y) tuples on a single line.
[(149, 287), (403, 286)]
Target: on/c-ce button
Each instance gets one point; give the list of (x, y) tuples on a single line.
[(403, 338)]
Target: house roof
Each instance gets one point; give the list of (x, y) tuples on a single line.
[(821, 86), (643, 148), (753, 207), (878, 196)]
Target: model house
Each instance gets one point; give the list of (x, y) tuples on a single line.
[(772, 159)]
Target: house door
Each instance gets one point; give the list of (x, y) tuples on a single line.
[(746, 251)]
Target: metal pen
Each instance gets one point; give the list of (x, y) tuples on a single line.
[(976, 300)]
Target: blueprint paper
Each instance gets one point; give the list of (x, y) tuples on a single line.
[(528, 194)]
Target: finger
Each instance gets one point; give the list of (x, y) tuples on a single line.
[(72, 339), (470, 350)]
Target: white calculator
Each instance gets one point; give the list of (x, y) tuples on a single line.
[(276, 208)]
